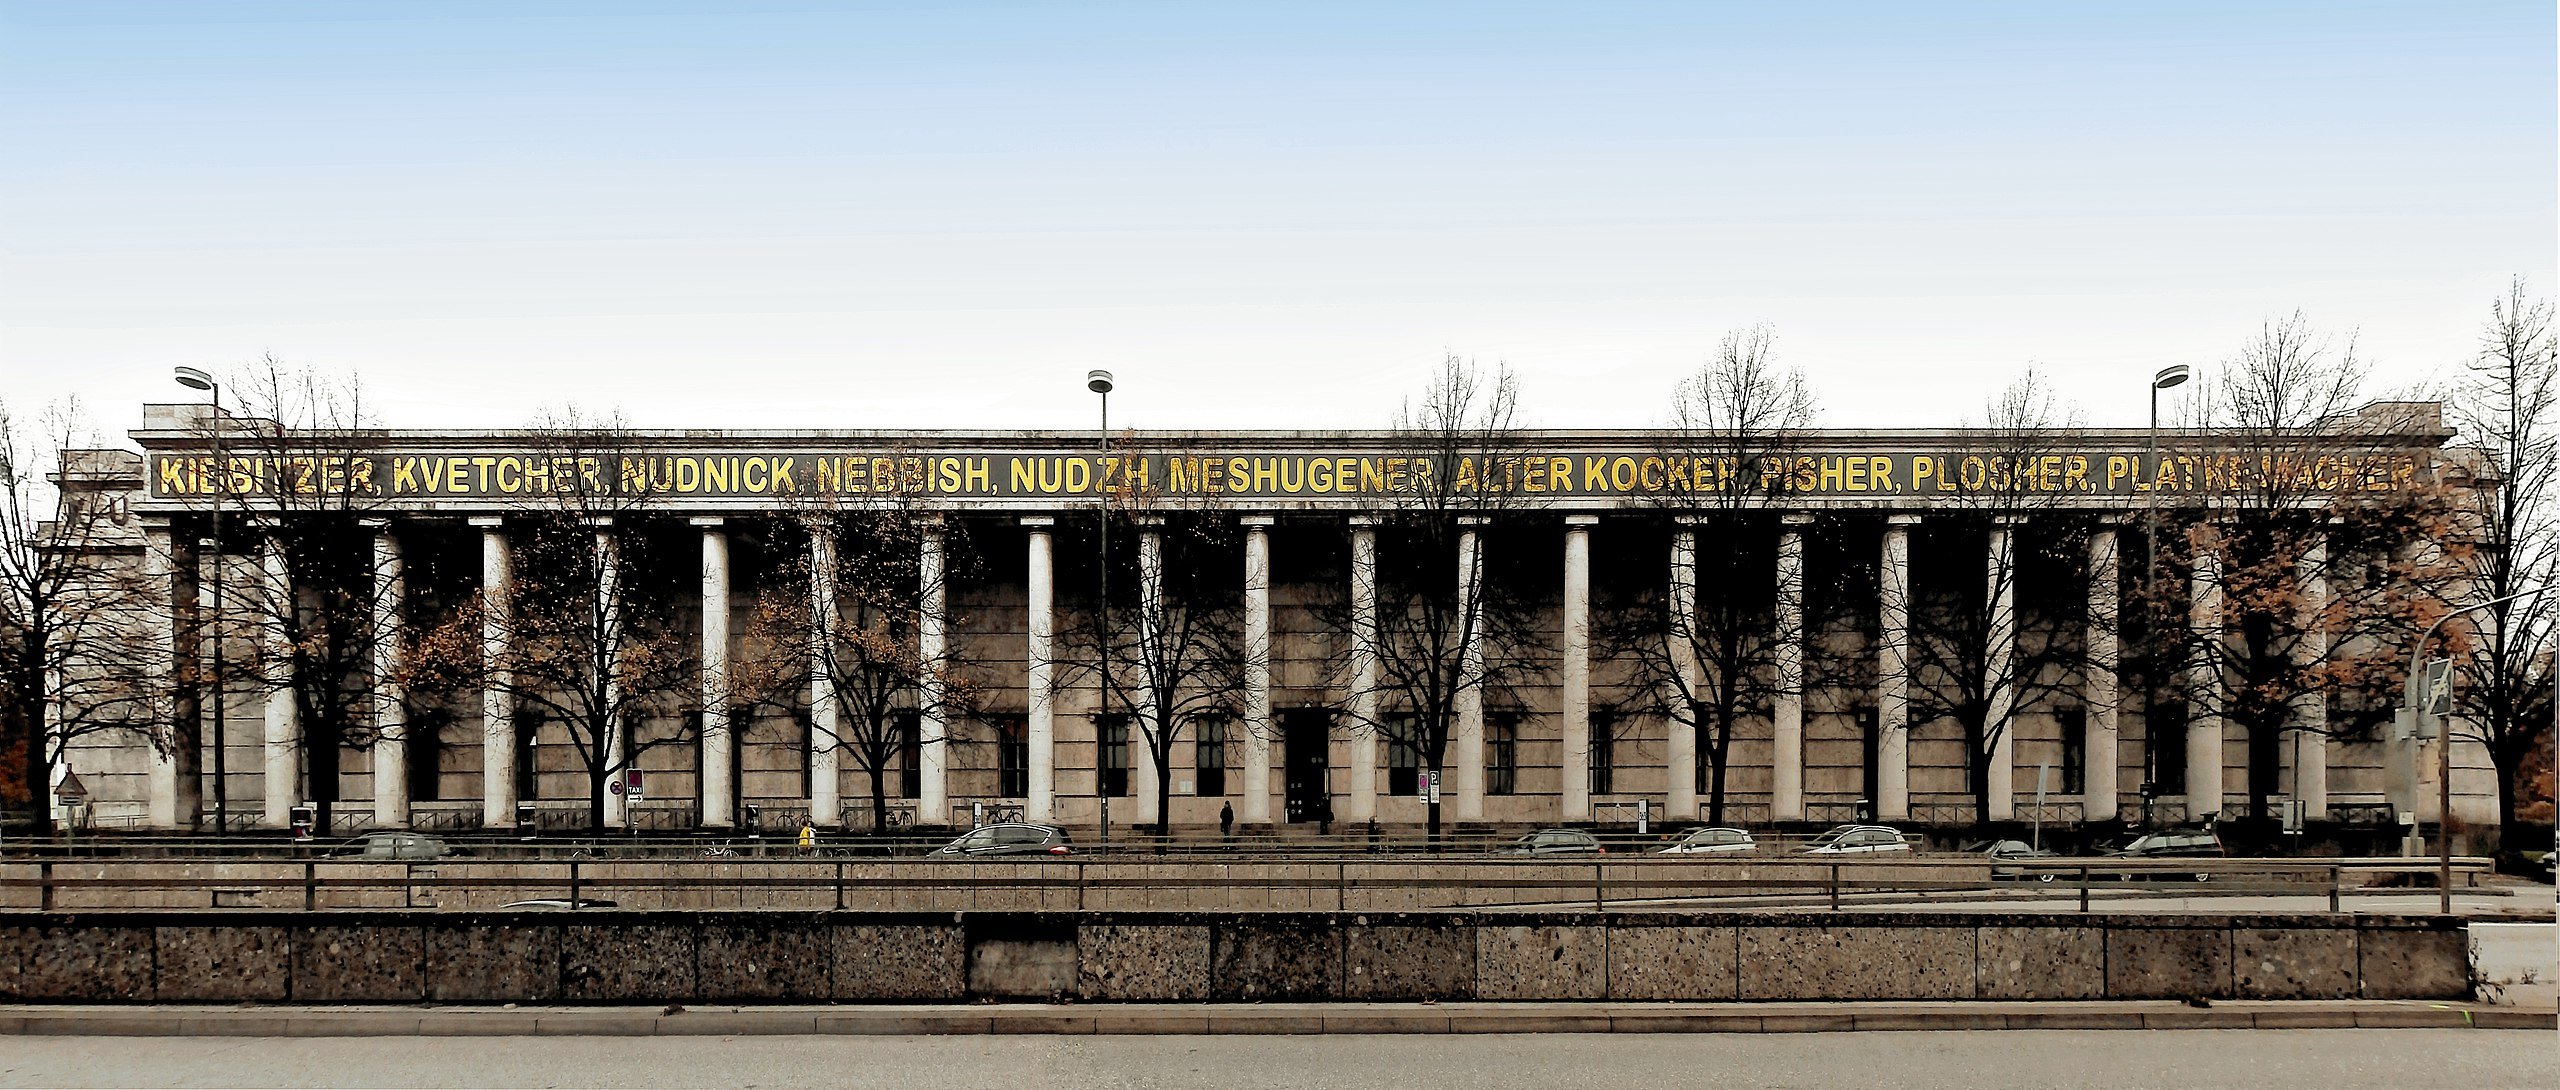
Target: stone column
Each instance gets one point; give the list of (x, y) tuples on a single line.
[(1893, 671), (283, 735), (1466, 739), (1576, 666), (608, 553), (2000, 662), (175, 787), (933, 796), (1680, 752), (826, 799), (1144, 717), (1364, 669), (390, 696), (1257, 672), (1040, 728), (497, 702), (719, 742), (2101, 695), (2307, 746), (2204, 674), (1786, 742)]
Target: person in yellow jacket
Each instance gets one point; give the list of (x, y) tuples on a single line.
[(808, 836)]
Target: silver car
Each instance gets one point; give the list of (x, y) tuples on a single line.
[(1712, 841), (397, 845), (1859, 840)]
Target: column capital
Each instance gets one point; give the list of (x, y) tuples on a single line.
[(1039, 522), (375, 523), (1795, 518), (1363, 520), (1148, 521), (1688, 520), (1256, 521), (1581, 520), (600, 522), (708, 522), (487, 522), (266, 522), (1901, 520), (1474, 520), (2109, 520), (2008, 520)]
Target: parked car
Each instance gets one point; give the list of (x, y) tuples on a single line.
[(1859, 840), (1712, 841), (2172, 844), (1556, 842), (554, 904), (397, 845), (2013, 851), (1010, 838)]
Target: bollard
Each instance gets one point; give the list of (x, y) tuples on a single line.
[(573, 883), (310, 885), (1599, 887), (839, 885), (2333, 889), (1835, 887), (44, 885), (2084, 889)]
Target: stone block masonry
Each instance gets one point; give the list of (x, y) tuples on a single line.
[(617, 957)]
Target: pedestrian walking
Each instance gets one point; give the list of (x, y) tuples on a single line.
[(1227, 822), (808, 836)]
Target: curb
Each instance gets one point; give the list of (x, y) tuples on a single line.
[(1139, 1018)]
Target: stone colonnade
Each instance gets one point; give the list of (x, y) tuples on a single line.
[(2306, 759)]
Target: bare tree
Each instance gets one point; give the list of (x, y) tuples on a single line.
[(1706, 645), (2510, 405), (1442, 633), (77, 655), (1986, 643), (587, 638), (1176, 652), (302, 441), (841, 629)]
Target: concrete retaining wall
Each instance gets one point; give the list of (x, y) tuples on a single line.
[(621, 957)]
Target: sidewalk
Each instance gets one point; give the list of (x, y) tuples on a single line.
[(1260, 1018)]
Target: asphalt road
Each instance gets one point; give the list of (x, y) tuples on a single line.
[(2173, 1060)]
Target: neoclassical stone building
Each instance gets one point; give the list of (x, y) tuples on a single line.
[(1847, 530)]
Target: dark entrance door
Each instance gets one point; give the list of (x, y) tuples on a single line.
[(1303, 733)]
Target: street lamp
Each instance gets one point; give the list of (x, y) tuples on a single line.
[(2175, 374), (1100, 383), (195, 379)]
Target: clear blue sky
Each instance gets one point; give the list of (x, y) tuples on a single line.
[(1278, 215)]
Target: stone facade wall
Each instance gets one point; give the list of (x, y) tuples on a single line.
[(771, 956)]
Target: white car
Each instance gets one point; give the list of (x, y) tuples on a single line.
[(1711, 842), (1859, 840)]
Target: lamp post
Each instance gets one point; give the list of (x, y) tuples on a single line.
[(198, 380), (1100, 383), (2416, 703), (2175, 374)]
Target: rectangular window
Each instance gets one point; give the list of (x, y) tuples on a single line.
[(1502, 755), (2164, 733), (2075, 754), (1209, 756), (910, 756), (1013, 757), (528, 759), (426, 756), (1604, 753), (1404, 756), (1111, 738)]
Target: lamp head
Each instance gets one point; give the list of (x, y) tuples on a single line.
[(194, 379), (2173, 375), (1098, 381)]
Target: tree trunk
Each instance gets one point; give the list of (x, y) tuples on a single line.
[(1164, 788), (880, 803), (595, 798)]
